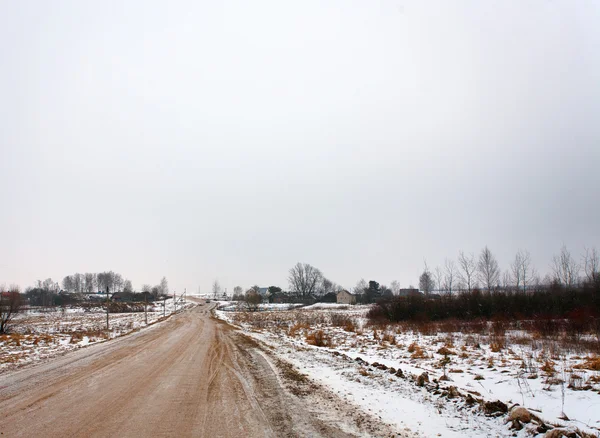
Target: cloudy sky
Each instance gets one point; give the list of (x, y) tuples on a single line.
[(229, 140)]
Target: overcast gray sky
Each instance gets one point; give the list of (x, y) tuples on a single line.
[(232, 139)]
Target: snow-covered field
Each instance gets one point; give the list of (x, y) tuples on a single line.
[(448, 382), (40, 335), (232, 306)]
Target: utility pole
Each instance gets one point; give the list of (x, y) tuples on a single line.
[(107, 304)]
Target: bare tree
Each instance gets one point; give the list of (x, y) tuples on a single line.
[(216, 289), (426, 282), (528, 272), (395, 287), (439, 277), (252, 298), (90, 282), (564, 268), (127, 286), (78, 281), (106, 280), (591, 264), (361, 286), (325, 287), (507, 280), (516, 271), (117, 282), (10, 304), (67, 283), (304, 279), (488, 270), (163, 288), (48, 284), (468, 268), (450, 277)]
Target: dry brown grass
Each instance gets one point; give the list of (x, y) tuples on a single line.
[(390, 338), (548, 368), (296, 328), (12, 339), (319, 338), (591, 363), (417, 351), (446, 351)]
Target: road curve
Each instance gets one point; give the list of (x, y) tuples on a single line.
[(190, 376)]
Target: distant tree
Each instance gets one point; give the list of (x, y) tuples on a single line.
[(395, 287), (488, 270), (146, 288), (361, 287), (163, 288), (252, 299), (565, 268), (10, 304), (272, 291), (450, 276), (48, 284), (304, 280), (216, 289), (238, 293), (385, 291), (326, 287), (90, 282), (528, 272), (467, 270), (127, 286), (106, 280), (591, 265), (438, 276), (78, 283), (67, 283), (371, 293), (426, 282), (117, 282)]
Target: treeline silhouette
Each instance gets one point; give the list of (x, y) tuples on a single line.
[(545, 302)]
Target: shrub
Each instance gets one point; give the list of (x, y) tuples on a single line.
[(319, 338)]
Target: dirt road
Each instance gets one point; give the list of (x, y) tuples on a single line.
[(191, 375)]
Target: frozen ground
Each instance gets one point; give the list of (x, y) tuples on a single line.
[(40, 335), (559, 386)]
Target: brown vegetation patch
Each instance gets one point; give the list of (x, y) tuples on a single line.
[(590, 363), (319, 338), (446, 351)]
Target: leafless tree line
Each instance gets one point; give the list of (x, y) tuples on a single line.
[(484, 272)]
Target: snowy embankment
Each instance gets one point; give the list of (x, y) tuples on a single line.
[(437, 384), (40, 335), (235, 306)]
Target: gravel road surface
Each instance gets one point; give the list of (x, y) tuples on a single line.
[(191, 375)]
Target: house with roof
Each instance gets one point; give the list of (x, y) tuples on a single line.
[(345, 297)]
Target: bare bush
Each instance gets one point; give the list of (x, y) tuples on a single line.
[(10, 304)]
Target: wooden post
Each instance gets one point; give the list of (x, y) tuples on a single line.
[(146, 307), (165, 306)]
